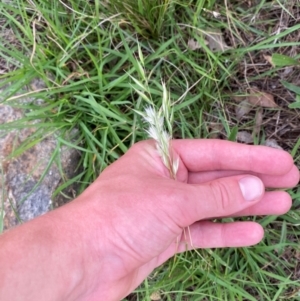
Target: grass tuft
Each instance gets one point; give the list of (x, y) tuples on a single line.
[(146, 17)]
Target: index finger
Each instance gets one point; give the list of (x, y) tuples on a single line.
[(204, 155)]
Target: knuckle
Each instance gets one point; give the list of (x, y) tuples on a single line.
[(221, 196)]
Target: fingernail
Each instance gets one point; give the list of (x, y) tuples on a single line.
[(251, 187)]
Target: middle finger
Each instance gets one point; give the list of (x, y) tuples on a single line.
[(290, 179)]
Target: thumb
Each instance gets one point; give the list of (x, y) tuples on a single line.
[(225, 196)]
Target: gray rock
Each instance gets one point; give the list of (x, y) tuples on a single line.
[(29, 198), (27, 181)]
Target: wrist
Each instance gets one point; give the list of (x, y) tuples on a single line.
[(74, 252), (102, 268), (42, 262)]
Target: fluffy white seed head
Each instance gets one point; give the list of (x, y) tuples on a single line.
[(157, 131)]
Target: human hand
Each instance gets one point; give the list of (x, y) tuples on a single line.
[(134, 215)]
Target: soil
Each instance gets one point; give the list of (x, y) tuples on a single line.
[(282, 124)]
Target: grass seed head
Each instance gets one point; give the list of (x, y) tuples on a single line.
[(157, 131)]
